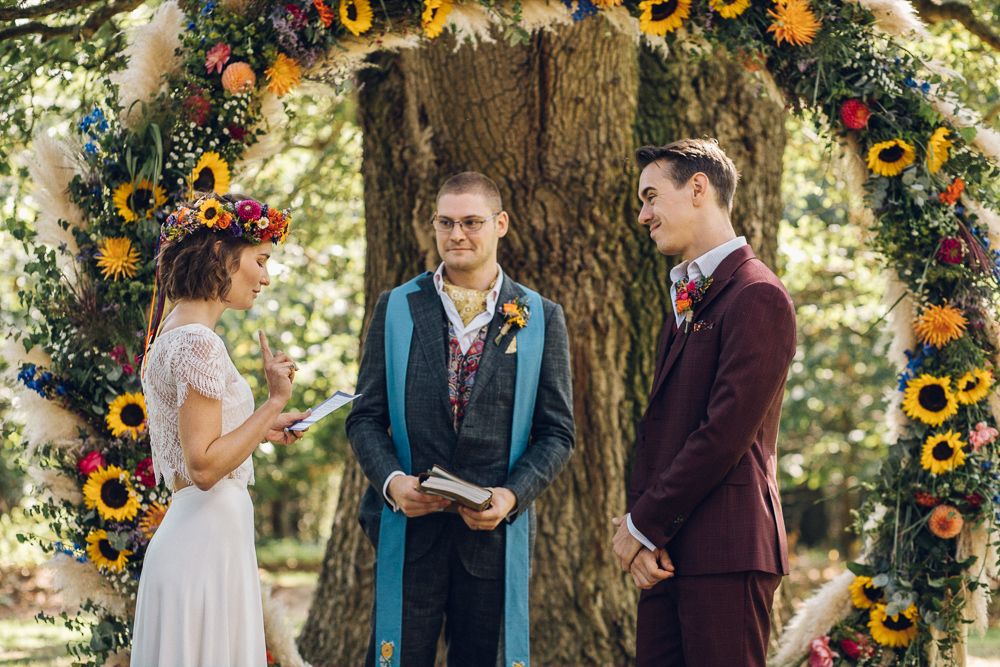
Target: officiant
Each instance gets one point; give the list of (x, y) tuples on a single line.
[(466, 369)]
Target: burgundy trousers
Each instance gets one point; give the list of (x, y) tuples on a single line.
[(711, 620)]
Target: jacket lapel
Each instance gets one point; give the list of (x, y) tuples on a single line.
[(720, 279), (428, 328), (492, 353)]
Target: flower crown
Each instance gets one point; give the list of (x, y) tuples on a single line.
[(248, 219)]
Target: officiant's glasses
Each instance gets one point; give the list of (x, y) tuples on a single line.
[(467, 224)]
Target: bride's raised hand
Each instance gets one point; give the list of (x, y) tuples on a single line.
[(279, 369)]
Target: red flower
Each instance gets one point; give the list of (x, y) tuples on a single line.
[(952, 251), (926, 499), (975, 501), (325, 13), (197, 108), (237, 133), (127, 368), (850, 649), (855, 114), (144, 472), (118, 354), (90, 463)]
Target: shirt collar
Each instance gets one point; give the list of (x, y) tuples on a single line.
[(491, 298), (705, 266)]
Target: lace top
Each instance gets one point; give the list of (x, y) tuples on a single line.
[(191, 357)]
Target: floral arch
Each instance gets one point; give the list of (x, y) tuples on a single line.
[(198, 103)]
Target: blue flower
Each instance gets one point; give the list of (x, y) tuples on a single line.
[(90, 148), (925, 87), (97, 114), (996, 498), (102, 126), (904, 381), (959, 209), (192, 25), (61, 390), (987, 465), (910, 82), (46, 376), (208, 8)]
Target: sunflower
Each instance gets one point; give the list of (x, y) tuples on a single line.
[(929, 399), (937, 149), (864, 594), (356, 15), (659, 17), (973, 386), (945, 522), (729, 8), (942, 452), (283, 76), (138, 200), (210, 212), (117, 258), (103, 553), (794, 23), (939, 325), (889, 158), (898, 630), (127, 414), (435, 16), (152, 519), (211, 174), (110, 492)]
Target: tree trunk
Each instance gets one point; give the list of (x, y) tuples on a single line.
[(554, 124)]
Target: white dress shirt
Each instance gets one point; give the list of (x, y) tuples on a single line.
[(696, 269), (466, 336)]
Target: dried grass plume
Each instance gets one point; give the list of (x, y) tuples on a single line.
[(278, 634), (831, 603)]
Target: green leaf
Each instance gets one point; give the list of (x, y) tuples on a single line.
[(968, 133)]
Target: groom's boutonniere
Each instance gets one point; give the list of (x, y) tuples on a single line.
[(516, 314), (690, 292)]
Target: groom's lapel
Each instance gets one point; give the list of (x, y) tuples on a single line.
[(720, 279), (492, 353), (428, 329)]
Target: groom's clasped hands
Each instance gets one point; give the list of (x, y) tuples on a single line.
[(647, 567)]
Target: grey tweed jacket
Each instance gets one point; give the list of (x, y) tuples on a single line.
[(479, 451)]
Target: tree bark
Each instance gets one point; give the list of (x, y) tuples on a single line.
[(555, 124)]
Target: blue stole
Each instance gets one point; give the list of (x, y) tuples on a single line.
[(392, 530)]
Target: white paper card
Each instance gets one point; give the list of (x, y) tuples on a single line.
[(335, 402)]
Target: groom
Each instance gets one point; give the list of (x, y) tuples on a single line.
[(704, 536), (445, 380)]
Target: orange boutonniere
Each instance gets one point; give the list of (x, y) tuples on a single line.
[(516, 314), (690, 292)]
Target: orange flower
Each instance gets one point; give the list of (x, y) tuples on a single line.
[(224, 220), (954, 191), (794, 23), (325, 13), (945, 522), (926, 499)]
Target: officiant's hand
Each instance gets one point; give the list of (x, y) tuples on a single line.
[(651, 567), (278, 433), (405, 493), (626, 547), (504, 502)]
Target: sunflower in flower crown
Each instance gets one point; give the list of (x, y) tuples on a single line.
[(127, 414), (890, 158), (973, 386), (898, 630), (211, 174), (662, 16), (930, 400), (103, 553), (864, 594), (942, 452), (135, 201), (109, 491), (210, 212)]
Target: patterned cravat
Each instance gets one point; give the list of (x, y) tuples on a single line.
[(468, 302)]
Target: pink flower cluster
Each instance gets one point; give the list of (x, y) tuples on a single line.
[(859, 649), (120, 355), (90, 463), (217, 58), (952, 251), (982, 435), (820, 653)]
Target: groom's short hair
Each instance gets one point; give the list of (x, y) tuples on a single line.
[(472, 182), (687, 157)]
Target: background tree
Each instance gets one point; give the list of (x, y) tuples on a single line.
[(527, 117)]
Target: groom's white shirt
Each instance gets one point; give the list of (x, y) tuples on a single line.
[(466, 336), (696, 269)]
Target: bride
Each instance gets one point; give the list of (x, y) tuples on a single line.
[(199, 593)]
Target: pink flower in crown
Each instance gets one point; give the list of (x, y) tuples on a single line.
[(144, 472), (248, 210), (820, 653), (90, 463), (217, 58), (982, 435)]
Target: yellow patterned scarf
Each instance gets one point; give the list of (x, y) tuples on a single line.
[(468, 302)]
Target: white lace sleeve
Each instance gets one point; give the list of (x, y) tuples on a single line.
[(201, 363)]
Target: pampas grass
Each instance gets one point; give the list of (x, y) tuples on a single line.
[(78, 582), (120, 659), (277, 632), (52, 165), (151, 56), (831, 603), (987, 141), (45, 423), (55, 487), (895, 17)]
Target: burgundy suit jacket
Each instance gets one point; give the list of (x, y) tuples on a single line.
[(704, 484)]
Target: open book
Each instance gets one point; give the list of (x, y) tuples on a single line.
[(440, 482)]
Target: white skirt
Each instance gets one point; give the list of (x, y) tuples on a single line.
[(199, 593)]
